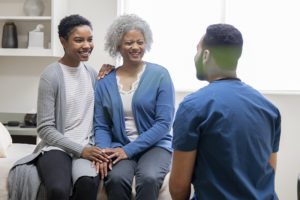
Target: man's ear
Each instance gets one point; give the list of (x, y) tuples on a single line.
[(206, 55)]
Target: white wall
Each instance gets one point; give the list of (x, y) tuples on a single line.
[(288, 163), (19, 76), (101, 13), (288, 167)]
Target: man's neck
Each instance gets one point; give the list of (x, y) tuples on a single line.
[(214, 78)]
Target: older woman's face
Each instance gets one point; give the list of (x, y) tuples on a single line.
[(132, 47)]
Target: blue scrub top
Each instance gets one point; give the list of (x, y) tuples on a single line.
[(235, 130)]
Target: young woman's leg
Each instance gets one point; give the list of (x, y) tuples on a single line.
[(119, 181), (55, 170), (86, 188), (85, 180), (152, 168)]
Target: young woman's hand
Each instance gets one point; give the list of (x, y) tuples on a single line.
[(94, 153), (105, 69), (118, 153)]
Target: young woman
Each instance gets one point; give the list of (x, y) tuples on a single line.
[(65, 118), (134, 108)]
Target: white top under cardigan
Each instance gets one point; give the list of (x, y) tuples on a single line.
[(126, 96)]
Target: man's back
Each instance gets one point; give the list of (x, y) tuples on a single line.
[(235, 130)]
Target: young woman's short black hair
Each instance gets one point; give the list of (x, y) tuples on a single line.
[(225, 43), (67, 24)]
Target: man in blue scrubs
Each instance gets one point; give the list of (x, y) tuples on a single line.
[(226, 135)]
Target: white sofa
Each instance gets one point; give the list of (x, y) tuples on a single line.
[(14, 152), (17, 151)]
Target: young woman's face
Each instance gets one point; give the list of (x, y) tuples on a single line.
[(132, 47), (79, 45)]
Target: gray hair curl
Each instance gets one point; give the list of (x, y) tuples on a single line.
[(120, 27)]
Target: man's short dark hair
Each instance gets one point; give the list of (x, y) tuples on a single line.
[(67, 24), (225, 43)]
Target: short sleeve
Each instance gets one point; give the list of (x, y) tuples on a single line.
[(277, 133), (185, 134)]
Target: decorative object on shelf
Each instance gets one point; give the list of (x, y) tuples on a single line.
[(9, 35), (30, 119), (34, 7), (36, 37)]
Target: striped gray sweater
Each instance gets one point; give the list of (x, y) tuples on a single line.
[(51, 114)]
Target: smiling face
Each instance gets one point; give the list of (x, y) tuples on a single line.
[(132, 47), (78, 46)]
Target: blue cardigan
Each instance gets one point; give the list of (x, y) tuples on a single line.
[(153, 109)]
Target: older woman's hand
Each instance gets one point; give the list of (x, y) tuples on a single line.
[(105, 69), (118, 153), (94, 153)]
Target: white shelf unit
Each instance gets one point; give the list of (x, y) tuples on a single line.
[(26, 18), (12, 11), (26, 52)]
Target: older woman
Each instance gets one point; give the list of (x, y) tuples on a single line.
[(134, 110)]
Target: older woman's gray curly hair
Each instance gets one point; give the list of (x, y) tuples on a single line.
[(120, 27)]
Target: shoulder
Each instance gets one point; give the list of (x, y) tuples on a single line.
[(107, 80), (92, 72), (202, 93), (265, 102), (109, 77), (91, 69), (156, 73), (196, 100), (257, 95), (51, 72), (156, 68)]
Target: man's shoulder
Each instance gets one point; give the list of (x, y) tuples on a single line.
[(195, 101), (201, 93), (257, 96)]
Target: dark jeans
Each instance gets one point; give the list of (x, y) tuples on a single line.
[(55, 170), (149, 170)]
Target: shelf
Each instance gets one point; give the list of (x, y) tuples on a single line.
[(13, 11), (25, 52), (21, 131), (26, 18)]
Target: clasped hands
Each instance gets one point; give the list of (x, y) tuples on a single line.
[(105, 158)]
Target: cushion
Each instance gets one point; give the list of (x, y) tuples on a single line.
[(5, 141)]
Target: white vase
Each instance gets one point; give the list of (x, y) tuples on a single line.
[(34, 7)]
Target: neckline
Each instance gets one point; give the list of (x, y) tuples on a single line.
[(134, 85), (71, 68), (228, 78)]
